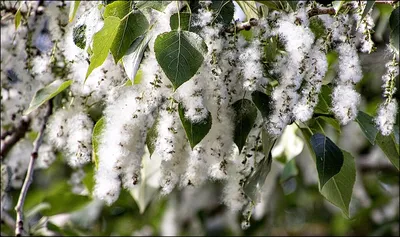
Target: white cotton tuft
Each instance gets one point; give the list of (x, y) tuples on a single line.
[(251, 66), (79, 140), (107, 187), (349, 64), (196, 172), (316, 67), (386, 117), (345, 101)]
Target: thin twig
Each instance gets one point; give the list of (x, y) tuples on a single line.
[(19, 228), (321, 11), (242, 26), (13, 136)]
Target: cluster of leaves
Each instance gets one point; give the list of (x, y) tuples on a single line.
[(180, 53)]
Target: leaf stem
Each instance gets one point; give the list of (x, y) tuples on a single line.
[(19, 227)]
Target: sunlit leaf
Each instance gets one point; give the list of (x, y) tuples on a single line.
[(96, 135), (102, 42), (73, 9), (45, 94)]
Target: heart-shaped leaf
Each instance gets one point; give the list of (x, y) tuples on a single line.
[(180, 55), (195, 132), (329, 157)]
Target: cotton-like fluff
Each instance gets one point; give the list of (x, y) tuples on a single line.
[(251, 66), (172, 147), (19, 156), (191, 95), (196, 172), (345, 102), (317, 65), (128, 116), (387, 111), (345, 99), (349, 64), (365, 25), (386, 117), (285, 95), (71, 131)]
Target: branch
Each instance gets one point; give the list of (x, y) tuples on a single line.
[(19, 228), (321, 11), (242, 26), (13, 136)]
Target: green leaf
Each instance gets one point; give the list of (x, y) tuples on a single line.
[(290, 170), (324, 100), (156, 5), (367, 125), (96, 135), (62, 200), (329, 157), (317, 27), (134, 56), (249, 8), (388, 146), (246, 114), (394, 22), (195, 132), (262, 102), (17, 20), (102, 42), (292, 4), (185, 21), (331, 121), (337, 5), (223, 11), (130, 27), (180, 55), (151, 137), (367, 8), (45, 94), (257, 178), (338, 190), (73, 9), (78, 36)]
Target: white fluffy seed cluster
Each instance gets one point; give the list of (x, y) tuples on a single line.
[(71, 131), (387, 111), (345, 100), (289, 69)]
